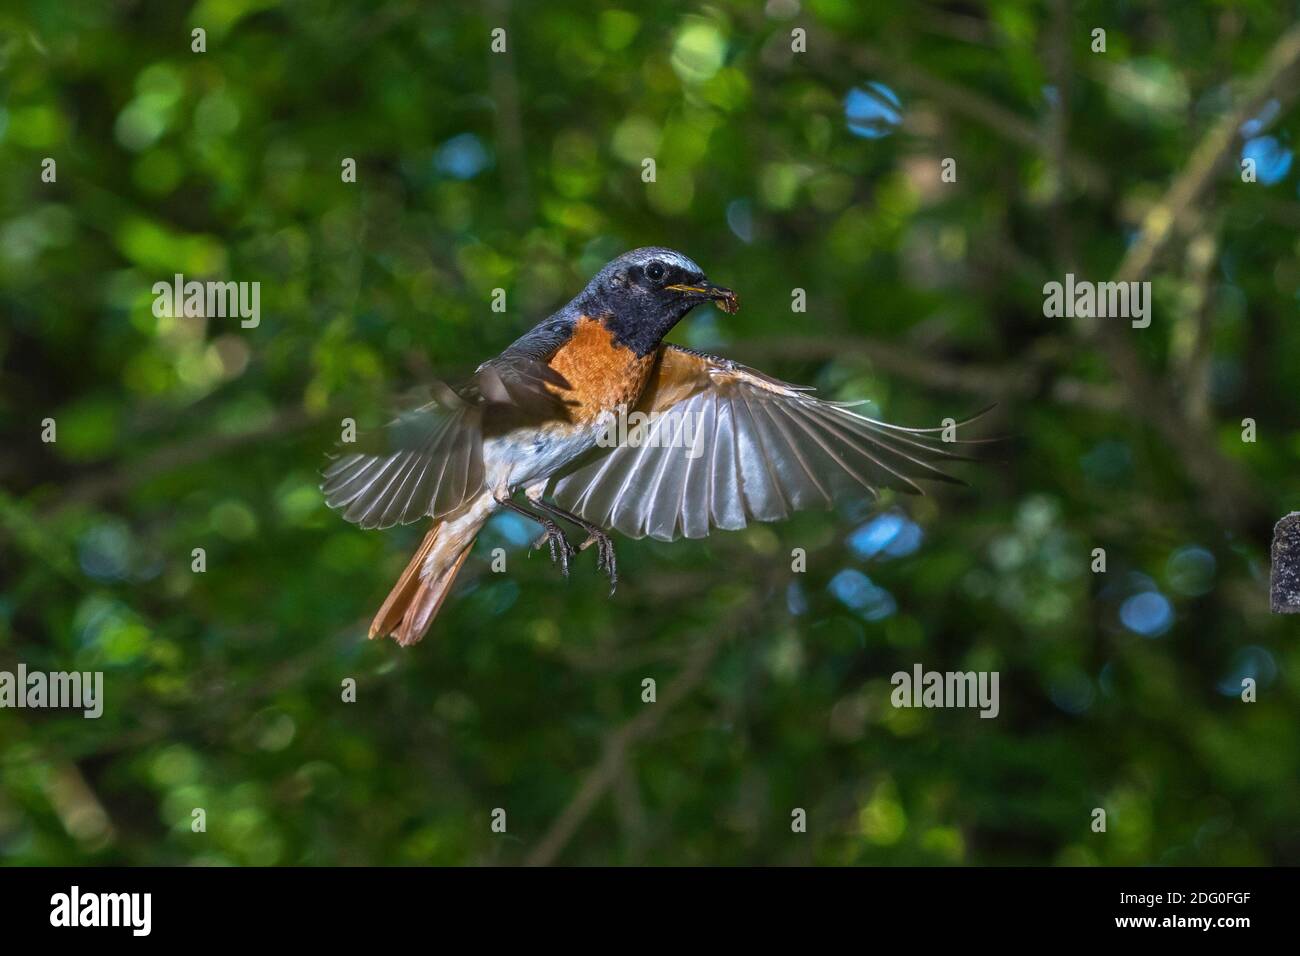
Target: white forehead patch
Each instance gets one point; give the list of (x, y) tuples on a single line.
[(679, 260), (648, 254)]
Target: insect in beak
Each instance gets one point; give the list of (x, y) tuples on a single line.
[(725, 298)]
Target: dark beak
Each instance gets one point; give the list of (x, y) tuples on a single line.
[(725, 298)]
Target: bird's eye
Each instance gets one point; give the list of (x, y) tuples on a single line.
[(655, 271)]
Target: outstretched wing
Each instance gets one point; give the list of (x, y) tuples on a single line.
[(725, 445), (429, 460)]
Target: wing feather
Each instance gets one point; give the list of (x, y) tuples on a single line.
[(429, 460), (763, 448)]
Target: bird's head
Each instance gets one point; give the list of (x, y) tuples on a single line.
[(642, 294)]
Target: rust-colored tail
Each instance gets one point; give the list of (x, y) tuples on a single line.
[(415, 599)]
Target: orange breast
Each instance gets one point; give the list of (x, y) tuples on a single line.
[(601, 373)]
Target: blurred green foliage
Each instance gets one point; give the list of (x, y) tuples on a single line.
[(523, 171)]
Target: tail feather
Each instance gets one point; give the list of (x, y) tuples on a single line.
[(399, 598), (415, 599), (428, 598)]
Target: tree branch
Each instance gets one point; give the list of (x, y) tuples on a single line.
[(1277, 78), (606, 770), (1012, 380), (1227, 489), (95, 488)]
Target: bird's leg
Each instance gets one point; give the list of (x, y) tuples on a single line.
[(553, 535), (605, 560)]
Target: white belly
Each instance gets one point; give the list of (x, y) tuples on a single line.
[(527, 457)]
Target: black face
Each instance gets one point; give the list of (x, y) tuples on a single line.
[(643, 294)]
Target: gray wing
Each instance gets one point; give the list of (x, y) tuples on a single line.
[(429, 460), (726, 445)]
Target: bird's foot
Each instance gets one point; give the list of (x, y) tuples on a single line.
[(605, 560), (561, 550)]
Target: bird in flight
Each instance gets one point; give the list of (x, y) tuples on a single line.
[(717, 445)]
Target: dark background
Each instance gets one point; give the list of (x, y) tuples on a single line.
[(775, 170)]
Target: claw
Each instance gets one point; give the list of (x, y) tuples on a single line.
[(561, 550), (605, 560)]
